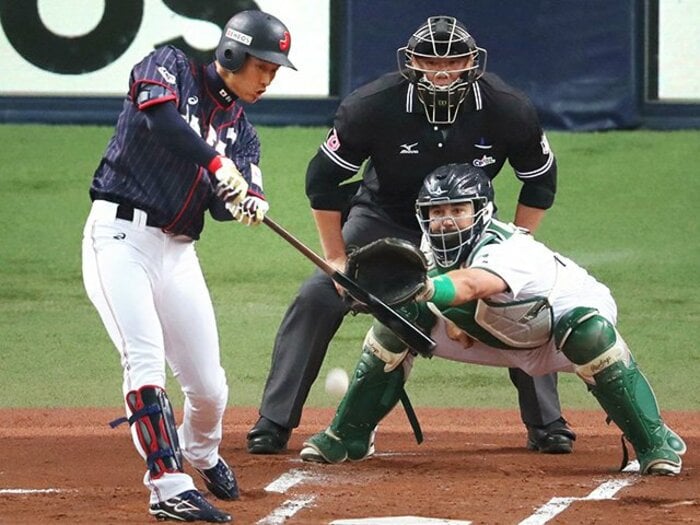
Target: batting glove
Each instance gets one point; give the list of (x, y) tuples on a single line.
[(232, 187), (251, 211)]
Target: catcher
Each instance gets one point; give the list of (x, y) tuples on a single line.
[(495, 297)]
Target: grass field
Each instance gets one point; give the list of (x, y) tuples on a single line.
[(626, 209)]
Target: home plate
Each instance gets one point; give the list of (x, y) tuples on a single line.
[(399, 520)]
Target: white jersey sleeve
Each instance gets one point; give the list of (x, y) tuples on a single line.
[(527, 266)]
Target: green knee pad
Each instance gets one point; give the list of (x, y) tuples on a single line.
[(371, 396), (583, 335)]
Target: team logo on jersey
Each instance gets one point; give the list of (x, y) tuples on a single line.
[(167, 75), (285, 41), (409, 149), (483, 161), (238, 36), (332, 141)]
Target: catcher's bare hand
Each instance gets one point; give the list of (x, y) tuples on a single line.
[(231, 186)]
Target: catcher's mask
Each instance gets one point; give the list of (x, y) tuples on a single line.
[(451, 185), (257, 34), (441, 37)]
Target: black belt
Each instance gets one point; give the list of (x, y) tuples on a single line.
[(126, 212)]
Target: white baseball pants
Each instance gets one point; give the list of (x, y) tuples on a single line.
[(149, 290)]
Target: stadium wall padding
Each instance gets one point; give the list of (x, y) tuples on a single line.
[(579, 61)]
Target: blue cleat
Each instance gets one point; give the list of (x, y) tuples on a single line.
[(221, 481), (188, 506)]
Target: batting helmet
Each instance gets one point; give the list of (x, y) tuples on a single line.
[(257, 34), (454, 184), (441, 37)]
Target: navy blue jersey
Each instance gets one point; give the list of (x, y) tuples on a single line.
[(140, 169)]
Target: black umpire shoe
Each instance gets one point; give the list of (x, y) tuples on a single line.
[(188, 506), (554, 438), (267, 437), (220, 480)]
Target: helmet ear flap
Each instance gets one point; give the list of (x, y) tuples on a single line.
[(230, 56)]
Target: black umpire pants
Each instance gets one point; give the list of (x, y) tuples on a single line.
[(315, 315)]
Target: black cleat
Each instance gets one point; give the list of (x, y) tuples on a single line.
[(267, 437), (188, 506), (220, 480), (554, 438)]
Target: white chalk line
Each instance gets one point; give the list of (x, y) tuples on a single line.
[(290, 507), (287, 481), (285, 511), (31, 491), (399, 520), (542, 515), (556, 506)]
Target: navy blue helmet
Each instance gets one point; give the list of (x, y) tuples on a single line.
[(257, 34)]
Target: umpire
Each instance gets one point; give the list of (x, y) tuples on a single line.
[(439, 108)]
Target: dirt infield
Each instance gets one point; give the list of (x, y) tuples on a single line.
[(68, 466)]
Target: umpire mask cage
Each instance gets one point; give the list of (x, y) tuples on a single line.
[(257, 34), (454, 184), (441, 37)]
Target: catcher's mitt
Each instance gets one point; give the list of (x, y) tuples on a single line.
[(391, 269)]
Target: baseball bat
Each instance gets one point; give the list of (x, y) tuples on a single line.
[(409, 333)]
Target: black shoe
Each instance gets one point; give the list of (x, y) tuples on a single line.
[(220, 480), (267, 437), (188, 506), (554, 438)]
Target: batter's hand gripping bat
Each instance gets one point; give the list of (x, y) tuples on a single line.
[(410, 334)]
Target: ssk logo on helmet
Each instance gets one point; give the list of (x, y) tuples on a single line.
[(238, 36), (167, 75), (285, 41)]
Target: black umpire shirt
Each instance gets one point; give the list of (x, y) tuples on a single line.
[(385, 122)]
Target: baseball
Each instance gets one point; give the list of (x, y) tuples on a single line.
[(337, 382)]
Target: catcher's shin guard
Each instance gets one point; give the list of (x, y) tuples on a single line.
[(603, 360), (154, 423), (372, 394)]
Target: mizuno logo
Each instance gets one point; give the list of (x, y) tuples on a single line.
[(119, 236), (408, 149)]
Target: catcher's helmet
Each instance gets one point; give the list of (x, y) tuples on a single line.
[(257, 34), (454, 184), (441, 37)]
